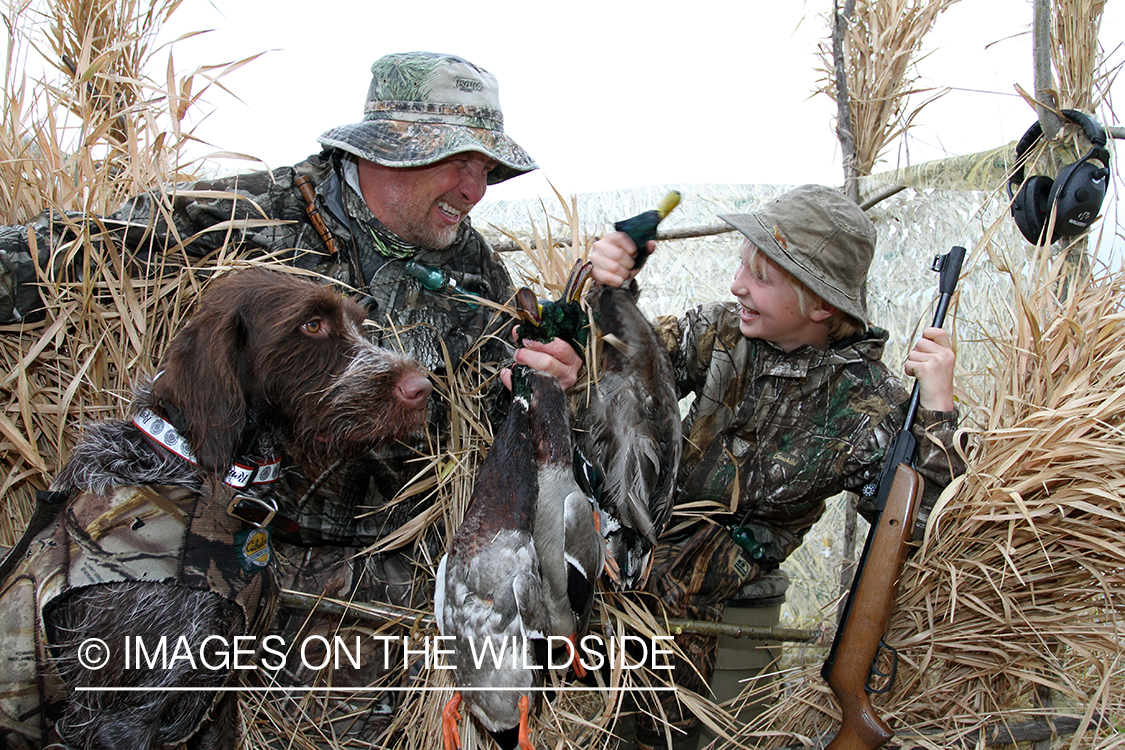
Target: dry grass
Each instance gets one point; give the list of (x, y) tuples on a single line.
[(881, 48), (1075, 26), (84, 139), (545, 261)]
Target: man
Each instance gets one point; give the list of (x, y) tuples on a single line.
[(394, 188)]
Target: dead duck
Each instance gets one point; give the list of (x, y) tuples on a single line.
[(572, 552), (628, 434), (489, 594), (543, 320), (629, 431)]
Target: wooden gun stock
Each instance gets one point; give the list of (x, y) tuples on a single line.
[(869, 613)]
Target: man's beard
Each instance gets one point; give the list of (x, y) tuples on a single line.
[(439, 238), (426, 234)]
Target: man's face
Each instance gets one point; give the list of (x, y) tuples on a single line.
[(425, 205)]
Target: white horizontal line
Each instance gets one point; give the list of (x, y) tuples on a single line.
[(419, 689)]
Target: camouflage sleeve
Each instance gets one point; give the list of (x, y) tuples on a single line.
[(19, 290), (150, 224), (19, 298), (936, 459), (689, 341), (241, 210), (668, 329)]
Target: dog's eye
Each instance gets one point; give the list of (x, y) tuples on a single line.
[(315, 326)]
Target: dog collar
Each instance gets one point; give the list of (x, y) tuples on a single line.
[(241, 475)]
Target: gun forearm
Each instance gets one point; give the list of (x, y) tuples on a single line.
[(869, 613)]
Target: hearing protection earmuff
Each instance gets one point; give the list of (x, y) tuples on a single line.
[(1076, 193)]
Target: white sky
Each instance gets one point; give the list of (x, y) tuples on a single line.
[(609, 94)]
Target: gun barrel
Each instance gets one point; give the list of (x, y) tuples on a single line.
[(948, 267)]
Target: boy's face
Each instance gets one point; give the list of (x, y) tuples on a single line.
[(771, 308)]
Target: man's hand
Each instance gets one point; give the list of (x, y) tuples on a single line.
[(613, 258), (556, 357), (931, 362)]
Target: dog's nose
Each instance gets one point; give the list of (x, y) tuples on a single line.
[(413, 390)]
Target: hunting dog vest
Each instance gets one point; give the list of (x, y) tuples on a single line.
[(158, 533)]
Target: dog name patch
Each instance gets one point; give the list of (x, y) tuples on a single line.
[(253, 547)]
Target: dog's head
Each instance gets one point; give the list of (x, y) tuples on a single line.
[(289, 354)]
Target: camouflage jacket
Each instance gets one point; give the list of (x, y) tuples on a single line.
[(426, 325), (782, 432)]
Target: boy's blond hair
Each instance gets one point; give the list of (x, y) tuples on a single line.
[(840, 324)]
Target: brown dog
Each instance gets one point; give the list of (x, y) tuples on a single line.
[(144, 578)]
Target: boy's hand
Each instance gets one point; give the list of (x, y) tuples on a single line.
[(613, 258), (931, 362), (556, 357)]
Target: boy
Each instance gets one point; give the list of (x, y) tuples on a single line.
[(792, 406)]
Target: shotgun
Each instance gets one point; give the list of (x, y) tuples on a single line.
[(852, 662)]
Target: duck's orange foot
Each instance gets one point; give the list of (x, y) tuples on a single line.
[(450, 715), (575, 662), (612, 569), (525, 730)]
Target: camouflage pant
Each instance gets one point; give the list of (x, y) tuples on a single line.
[(692, 580)]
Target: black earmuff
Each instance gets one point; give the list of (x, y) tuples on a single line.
[(1076, 193)]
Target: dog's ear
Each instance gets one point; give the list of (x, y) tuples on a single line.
[(199, 385)]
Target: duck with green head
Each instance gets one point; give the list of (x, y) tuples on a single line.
[(489, 593)]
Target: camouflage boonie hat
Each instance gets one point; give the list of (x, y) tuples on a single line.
[(423, 107), (821, 237)]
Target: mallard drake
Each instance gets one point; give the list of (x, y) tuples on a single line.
[(628, 437), (629, 430), (543, 320), (489, 593), (572, 552)]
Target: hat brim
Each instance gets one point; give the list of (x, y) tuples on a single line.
[(397, 143), (754, 229)]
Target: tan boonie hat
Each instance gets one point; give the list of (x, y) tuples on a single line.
[(821, 237), (423, 107)]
